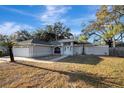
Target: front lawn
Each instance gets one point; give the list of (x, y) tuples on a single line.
[(76, 71)]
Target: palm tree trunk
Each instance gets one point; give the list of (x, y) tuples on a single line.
[(11, 55)]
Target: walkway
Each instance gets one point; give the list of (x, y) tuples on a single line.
[(59, 58), (7, 59)]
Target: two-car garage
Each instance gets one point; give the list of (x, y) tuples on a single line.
[(32, 51)]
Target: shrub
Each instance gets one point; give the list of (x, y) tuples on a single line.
[(1, 53)]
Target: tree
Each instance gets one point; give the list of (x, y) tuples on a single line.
[(38, 34), (61, 31), (57, 31), (83, 39), (118, 9), (8, 42), (21, 35), (66, 34), (107, 26), (76, 37)]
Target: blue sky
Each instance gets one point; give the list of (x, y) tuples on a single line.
[(14, 18)]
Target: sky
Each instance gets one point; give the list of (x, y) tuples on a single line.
[(14, 17)]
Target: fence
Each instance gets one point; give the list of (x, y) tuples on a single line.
[(118, 51), (97, 50)]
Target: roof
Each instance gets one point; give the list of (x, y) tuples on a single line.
[(72, 40), (41, 42), (55, 43), (67, 40), (36, 41)]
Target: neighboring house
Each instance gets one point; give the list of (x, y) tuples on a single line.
[(36, 48), (3, 49)]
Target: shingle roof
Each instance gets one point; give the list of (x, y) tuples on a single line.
[(55, 42), (67, 40), (36, 41)]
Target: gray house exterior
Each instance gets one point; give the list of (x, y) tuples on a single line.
[(35, 48)]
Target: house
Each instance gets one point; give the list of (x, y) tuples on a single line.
[(37, 48)]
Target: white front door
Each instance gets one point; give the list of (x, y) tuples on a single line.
[(67, 50)]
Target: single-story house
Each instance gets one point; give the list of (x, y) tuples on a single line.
[(36, 48)]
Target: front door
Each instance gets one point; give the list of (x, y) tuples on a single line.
[(57, 50), (67, 50)]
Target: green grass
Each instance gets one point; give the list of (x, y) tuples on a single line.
[(76, 71)]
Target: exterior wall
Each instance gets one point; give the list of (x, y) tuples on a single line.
[(32, 51), (62, 49), (78, 50), (97, 50), (41, 51), (38, 50), (21, 52)]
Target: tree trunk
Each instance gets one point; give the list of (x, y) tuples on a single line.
[(109, 42), (11, 55), (83, 53)]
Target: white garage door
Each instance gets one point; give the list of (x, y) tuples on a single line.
[(42, 51), (21, 52)]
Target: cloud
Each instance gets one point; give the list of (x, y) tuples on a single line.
[(84, 19), (77, 24), (80, 22), (18, 11), (54, 13), (11, 27), (93, 7), (90, 15)]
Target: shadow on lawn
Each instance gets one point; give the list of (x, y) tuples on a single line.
[(46, 58), (83, 59), (92, 79)]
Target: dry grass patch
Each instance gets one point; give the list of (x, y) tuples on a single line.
[(76, 71)]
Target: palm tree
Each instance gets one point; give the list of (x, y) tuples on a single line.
[(9, 43), (83, 39)]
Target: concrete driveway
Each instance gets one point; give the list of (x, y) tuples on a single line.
[(7, 59)]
